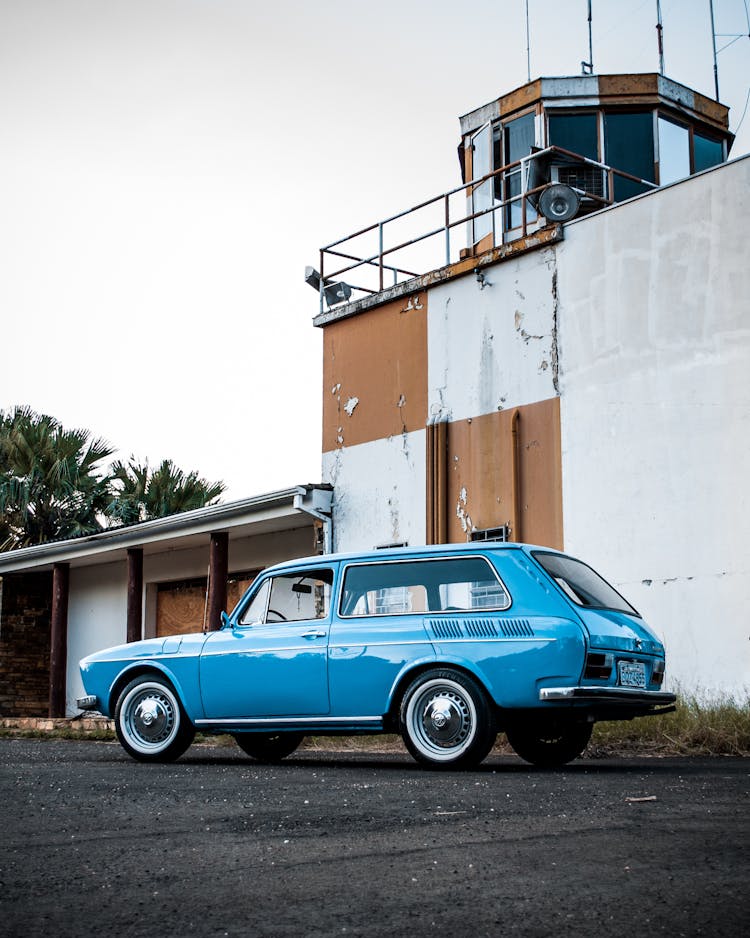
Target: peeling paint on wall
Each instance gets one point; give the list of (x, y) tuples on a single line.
[(350, 405), (554, 352), (413, 303)]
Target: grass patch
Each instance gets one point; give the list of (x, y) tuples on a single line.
[(698, 727)]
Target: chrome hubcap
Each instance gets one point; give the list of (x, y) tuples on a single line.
[(151, 717), (442, 719)]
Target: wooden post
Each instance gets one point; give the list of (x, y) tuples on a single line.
[(135, 594), (218, 569), (58, 654)]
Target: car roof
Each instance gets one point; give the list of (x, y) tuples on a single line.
[(408, 553)]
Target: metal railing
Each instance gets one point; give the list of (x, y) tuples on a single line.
[(526, 198)]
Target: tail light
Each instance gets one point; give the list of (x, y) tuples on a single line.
[(598, 666), (657, 675)]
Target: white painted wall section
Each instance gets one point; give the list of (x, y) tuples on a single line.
[(654, 341), (97, 613), (379, 492), (491, 348)]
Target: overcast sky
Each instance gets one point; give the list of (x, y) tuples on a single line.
[(169, 167)]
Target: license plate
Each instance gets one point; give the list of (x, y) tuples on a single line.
[(631, 673)]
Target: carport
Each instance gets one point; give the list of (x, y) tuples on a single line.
[(63, 600)]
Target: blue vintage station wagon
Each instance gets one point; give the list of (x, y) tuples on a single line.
[(445, 645)]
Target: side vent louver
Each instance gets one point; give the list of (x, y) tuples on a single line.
[(516, 628), (446, 628), (480, 628)]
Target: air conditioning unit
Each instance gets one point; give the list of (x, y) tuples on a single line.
[(591, 179)]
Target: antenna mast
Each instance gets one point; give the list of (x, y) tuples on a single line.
[(528, 45), (587, 68), (713, 37), (660, 36)]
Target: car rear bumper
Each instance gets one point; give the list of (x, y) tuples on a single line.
[(90, 702), (607, 703), (629, 695)]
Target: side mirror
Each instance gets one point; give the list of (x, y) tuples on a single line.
[(224, 620)]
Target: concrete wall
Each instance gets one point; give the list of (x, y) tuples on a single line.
[(492, 348), (379, 492), (654, 345), (97, 610)]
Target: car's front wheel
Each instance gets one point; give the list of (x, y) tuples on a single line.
[(549, 743), (150, 722), (446, 721), (268, 747)]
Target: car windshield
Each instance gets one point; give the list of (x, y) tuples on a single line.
[(582, 584)]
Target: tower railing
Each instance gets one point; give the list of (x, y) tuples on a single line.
[(510, 217)]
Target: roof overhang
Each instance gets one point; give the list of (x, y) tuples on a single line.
[(271, 513)]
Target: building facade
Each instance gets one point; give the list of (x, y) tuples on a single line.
[(582, 385)]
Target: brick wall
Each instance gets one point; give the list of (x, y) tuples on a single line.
[(25, 610)]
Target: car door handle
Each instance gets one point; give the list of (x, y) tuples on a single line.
[(314, 633)]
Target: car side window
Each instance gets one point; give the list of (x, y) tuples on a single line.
[(291, 597), (455, 584), (256, 610), (299, 596)]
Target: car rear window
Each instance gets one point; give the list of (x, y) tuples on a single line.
[(441, 585), (582, 584)]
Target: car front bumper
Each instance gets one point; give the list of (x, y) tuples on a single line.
[(90, 702)]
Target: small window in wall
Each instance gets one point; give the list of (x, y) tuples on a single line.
[(629, 146), (707, 152), (674, 151)]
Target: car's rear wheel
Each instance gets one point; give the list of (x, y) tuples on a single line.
[(549, 743), (150, 722), (268, 747), (446, 721)]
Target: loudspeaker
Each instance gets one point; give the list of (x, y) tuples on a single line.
[(559, 203), (337, 292)]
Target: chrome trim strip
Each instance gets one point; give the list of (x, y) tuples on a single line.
[(606, 693), (276, 721), (260, 650), (440, 641)]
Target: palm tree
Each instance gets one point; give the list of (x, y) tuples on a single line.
[(140, 494), (50, 484)]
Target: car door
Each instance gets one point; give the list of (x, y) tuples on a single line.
[(273, 662)]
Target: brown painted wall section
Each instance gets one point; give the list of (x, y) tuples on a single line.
[(491, 481), (381, 361)]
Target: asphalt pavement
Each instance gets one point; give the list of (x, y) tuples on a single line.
[(368, 844)]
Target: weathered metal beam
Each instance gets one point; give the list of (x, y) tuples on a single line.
[(135, 594), (218, 569), (58, 655)]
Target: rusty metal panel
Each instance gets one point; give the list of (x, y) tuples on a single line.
[(437, 483), (500, 477), (375, 374), (521, 98), (616, 86)]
